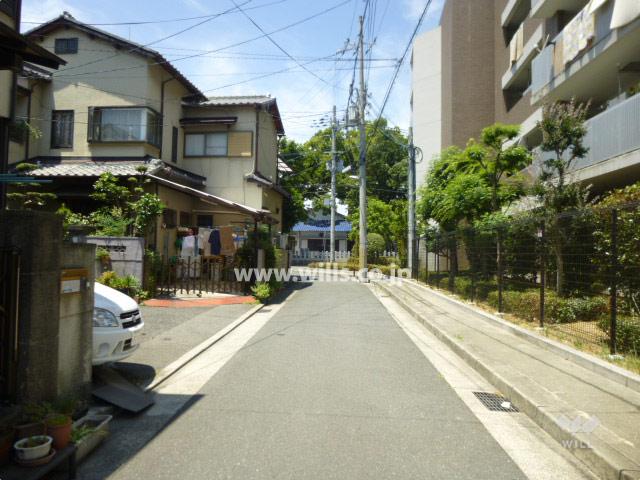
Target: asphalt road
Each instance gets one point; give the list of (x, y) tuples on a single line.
[(329, 388)]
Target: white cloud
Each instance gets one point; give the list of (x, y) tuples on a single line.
[(45, 10), (413, 9)]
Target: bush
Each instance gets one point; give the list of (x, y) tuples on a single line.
[(627, 333), (462, 286), (128, 285), (262, 291), (584, 309), (375, 245), (524, 304)]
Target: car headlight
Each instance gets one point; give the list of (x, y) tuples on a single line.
[(104, 318)]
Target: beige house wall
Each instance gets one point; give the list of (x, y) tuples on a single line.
[(6, 79)]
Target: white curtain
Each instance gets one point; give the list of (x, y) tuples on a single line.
[(216, 145), (624, 12), (123, 124)]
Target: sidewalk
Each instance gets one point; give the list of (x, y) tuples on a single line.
[(596, 418)]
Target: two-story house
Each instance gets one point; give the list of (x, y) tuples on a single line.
[(118, 106), (14, 50)]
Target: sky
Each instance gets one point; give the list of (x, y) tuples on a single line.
[(300, 66)]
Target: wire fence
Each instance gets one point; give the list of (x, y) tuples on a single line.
[(577, 274)]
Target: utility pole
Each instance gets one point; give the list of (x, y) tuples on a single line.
[(334, 165), (363, 160), (411, 241)]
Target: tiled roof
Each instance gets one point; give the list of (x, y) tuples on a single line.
[(343, 226), (238, 100), (95, 168)]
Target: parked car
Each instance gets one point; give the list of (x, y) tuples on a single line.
[(116, 323)]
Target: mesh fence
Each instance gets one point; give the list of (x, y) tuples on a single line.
[(577, 274)]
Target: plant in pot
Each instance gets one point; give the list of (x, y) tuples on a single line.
[(31, 421), (59, 428), (32, 448)]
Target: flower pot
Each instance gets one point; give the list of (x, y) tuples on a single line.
[(29, 430), (100, 424), (6, 442), (61, 434), (24, 453)]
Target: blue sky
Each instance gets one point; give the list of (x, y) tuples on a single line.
[(304, 94)]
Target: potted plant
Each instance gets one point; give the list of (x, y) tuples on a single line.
[(59, 429), (31, 421), (88, 432), (103, 255), (33, 448), (6, 442)]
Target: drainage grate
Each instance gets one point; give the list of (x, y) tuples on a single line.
[(495, 402)]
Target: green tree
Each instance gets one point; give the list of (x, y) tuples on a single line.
[(29, 196), (563, 130)]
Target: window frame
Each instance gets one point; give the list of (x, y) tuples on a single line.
[(205, 133), (97, 111), (70, 46), (53, 143)]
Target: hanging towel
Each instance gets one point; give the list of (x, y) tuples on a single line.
[(587, 29), (214, 241), (203, 240), (624, 12), (189, 246), (513, 52), (226, 241), (520, 42)]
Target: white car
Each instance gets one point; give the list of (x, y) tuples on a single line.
[(116, 322)]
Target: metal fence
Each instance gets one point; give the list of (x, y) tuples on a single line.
[(577, 274), (195, 276), (9, 297)]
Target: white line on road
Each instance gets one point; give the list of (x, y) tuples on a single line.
[(536, 453)]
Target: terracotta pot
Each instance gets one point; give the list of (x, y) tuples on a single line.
[(61, 434), (6, 442), (29, 430)]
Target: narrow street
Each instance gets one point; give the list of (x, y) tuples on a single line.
[(330, 386)]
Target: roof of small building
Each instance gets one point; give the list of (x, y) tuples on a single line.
[(343, 226), (66, 20), (118, 166)]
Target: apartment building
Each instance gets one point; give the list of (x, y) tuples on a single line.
[(122, 108), (502, 60)]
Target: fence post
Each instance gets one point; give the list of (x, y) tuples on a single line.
[(473, 260), (543, 274), (499, 265), (437, 252), (426, 260), (614, 281)]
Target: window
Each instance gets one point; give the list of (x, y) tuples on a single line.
[(218, 144), (185, 219), (174, 145), (169, 218), (135, 124), (205, 221), (66, 45), (62, 129)]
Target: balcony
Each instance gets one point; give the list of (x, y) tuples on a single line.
[(594, 73), (614, 148), (518, 75), (548, 8), (515, 13)]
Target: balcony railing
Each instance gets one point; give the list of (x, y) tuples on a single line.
[(550, 63), (610, 134)]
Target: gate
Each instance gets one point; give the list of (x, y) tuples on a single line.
[(9, 296), (198, 276)]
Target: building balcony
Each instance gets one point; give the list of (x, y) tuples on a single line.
[(613, 158), (518, 75), (548, 8), (597, 72), (515, 12)]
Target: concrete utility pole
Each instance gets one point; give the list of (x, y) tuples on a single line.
[(411, 187), (334, 166), (363, 160)]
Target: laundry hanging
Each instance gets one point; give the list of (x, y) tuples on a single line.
[(595, 5)]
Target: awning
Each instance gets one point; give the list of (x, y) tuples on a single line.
[(208, 121), (263, 216), (11, 42)]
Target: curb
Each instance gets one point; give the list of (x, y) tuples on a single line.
[(178, 364), (596, 365), (605, 462)]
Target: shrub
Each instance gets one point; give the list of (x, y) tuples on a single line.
[(462, 286), (262, 291), (375, 245), (627, 333), (524, 304)]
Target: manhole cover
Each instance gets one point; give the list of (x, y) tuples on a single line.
[(495, 402)]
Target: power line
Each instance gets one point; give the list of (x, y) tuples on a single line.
[(277, 45), (237, 44), (149, 22)]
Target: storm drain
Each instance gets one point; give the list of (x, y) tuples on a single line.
[(495, 402)]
